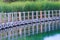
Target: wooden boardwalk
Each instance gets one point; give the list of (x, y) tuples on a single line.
[(13, 19)]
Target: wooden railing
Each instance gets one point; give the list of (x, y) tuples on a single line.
[(21, 16)]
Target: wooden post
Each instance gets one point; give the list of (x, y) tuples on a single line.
[(36, 14), (56, 12), (59, 13), (32, 15), (48, 14), (19, 16), (28, 15), (41, 14), (45, 14), (0, 18), (5, 17), (52, 13), (12, 17), (24, 15), (8, 17)]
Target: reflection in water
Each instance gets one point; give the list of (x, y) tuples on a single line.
[(27, 30)]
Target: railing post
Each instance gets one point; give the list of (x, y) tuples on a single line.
[(19, 16), (59, 13), (48, 14), (5, 18), (37, 14), (40, 14), (32, 15), (0, 18), (24, 15), (52, 13), (45, 14), (56, 13), (8, 17), (28, 15), (12, 17)]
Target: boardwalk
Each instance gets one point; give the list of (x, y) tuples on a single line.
[(19, 18)]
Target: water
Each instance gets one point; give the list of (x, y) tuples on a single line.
[(38, 31)]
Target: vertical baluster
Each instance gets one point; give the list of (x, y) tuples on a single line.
[(59, 13), (19, 16), (56, 12), (32, 15), (5, 18), (8, 17), (45, 14), (36, 14), (0, 17), (24, 15), (12, 17), (40, 14), (52, 14), (28, 15), (48, 14)]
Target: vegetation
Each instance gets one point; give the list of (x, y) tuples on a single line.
[(28, 6)]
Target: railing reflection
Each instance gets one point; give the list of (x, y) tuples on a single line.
[(27, 30)]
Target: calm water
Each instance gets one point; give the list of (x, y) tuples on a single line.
[(37, 31)]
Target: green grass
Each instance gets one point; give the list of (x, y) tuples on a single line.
[(28, 6)]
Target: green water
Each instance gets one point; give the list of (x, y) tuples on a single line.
[(43, 36)]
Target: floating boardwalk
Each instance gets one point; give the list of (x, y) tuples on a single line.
[(13, 19)]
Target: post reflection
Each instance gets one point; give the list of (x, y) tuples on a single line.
[(28, 30)]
